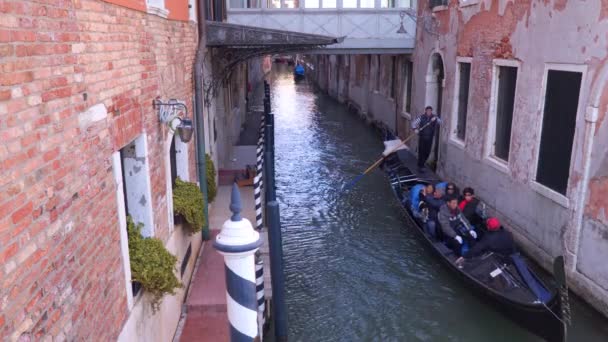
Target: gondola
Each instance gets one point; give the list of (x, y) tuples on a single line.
[(506, 282), (298, 72)]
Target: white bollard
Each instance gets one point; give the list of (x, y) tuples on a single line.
[(238, 242)]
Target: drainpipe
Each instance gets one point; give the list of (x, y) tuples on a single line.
[(198, 112), (572, 244)]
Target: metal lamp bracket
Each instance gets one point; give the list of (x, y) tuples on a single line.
[(170, 110)]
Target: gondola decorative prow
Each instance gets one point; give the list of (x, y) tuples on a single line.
[(559, 273)]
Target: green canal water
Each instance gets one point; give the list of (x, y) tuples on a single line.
[(354, 270)]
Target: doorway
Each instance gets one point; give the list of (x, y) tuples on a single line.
[(434, 94)]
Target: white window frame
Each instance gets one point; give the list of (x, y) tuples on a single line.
[(489, 157), (454, 120), (122, 226), (181, 163), (157, 7), (192, 10), (143, 215), (467, 3), (563, 200)]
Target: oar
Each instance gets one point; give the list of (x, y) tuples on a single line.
[(373, 166)]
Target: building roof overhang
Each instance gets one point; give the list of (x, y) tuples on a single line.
[(227, 35), (233, 44)]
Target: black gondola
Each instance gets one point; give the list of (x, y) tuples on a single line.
[(493, 277)]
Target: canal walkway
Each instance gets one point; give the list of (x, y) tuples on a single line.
[(205, 317)]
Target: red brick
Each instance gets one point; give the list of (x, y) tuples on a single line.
[(56, 94), (22, 212), (9, 79), (50, 155), (8, 252), (5, 95), (23, 36), (6, 50), (5, 36)]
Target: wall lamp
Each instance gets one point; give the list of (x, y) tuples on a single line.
[(169, 111)]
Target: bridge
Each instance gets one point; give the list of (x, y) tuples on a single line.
[(367, 26)]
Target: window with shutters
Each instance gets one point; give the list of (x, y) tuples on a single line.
[(461, 100), (502, 105), (560, 106)]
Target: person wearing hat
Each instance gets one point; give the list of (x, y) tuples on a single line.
[(496, 240)]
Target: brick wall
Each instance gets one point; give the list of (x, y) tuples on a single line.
[(61, 272)]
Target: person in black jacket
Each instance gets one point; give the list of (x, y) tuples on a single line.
[(469, 205), (427, 121), (496, 240), (434, 202)]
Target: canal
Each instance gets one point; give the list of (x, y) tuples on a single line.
[(354, 270)]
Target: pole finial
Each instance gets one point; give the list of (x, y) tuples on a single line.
[(235, 203)]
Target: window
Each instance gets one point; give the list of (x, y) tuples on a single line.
[(173, 161), (312, 3), (501, 114), (131, 174), (558, 125), (367, 4), (121, 202), (436, 3), (157, 7), (329, 3), (459, 122), (349, 3), (395, 4), (136, 183)]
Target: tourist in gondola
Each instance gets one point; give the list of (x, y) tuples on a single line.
[(434, 202), (455, 227), (470, 207), (496, 240), (427, 121)]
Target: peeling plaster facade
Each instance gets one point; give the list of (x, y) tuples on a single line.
[(534, 35), (372, 85)]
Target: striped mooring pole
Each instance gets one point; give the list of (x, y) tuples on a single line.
[(258, 184), (238, 242), (259, 283)]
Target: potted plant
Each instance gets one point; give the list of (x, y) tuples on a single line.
[(211, 187), (188, 205), (152, 266)]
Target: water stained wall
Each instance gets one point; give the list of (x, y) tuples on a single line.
[(534, 36)]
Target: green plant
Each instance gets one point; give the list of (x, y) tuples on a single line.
[(211, 187), (188, 202), (151, 264)]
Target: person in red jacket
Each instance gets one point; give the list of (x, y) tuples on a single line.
[(470, 208)]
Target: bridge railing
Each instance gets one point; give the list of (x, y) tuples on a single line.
[(365, 24), (320, 4)]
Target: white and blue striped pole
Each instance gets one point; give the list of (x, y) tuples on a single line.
[(238, 242)]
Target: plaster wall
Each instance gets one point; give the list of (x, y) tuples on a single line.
[(536, 36)]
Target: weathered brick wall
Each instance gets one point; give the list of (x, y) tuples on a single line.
[(61, 272)]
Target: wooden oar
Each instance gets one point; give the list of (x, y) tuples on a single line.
[(374, 165)]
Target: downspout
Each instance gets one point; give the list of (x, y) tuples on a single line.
[(591, 117), (198, 113)]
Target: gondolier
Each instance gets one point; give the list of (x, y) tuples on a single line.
[(425, 136)]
